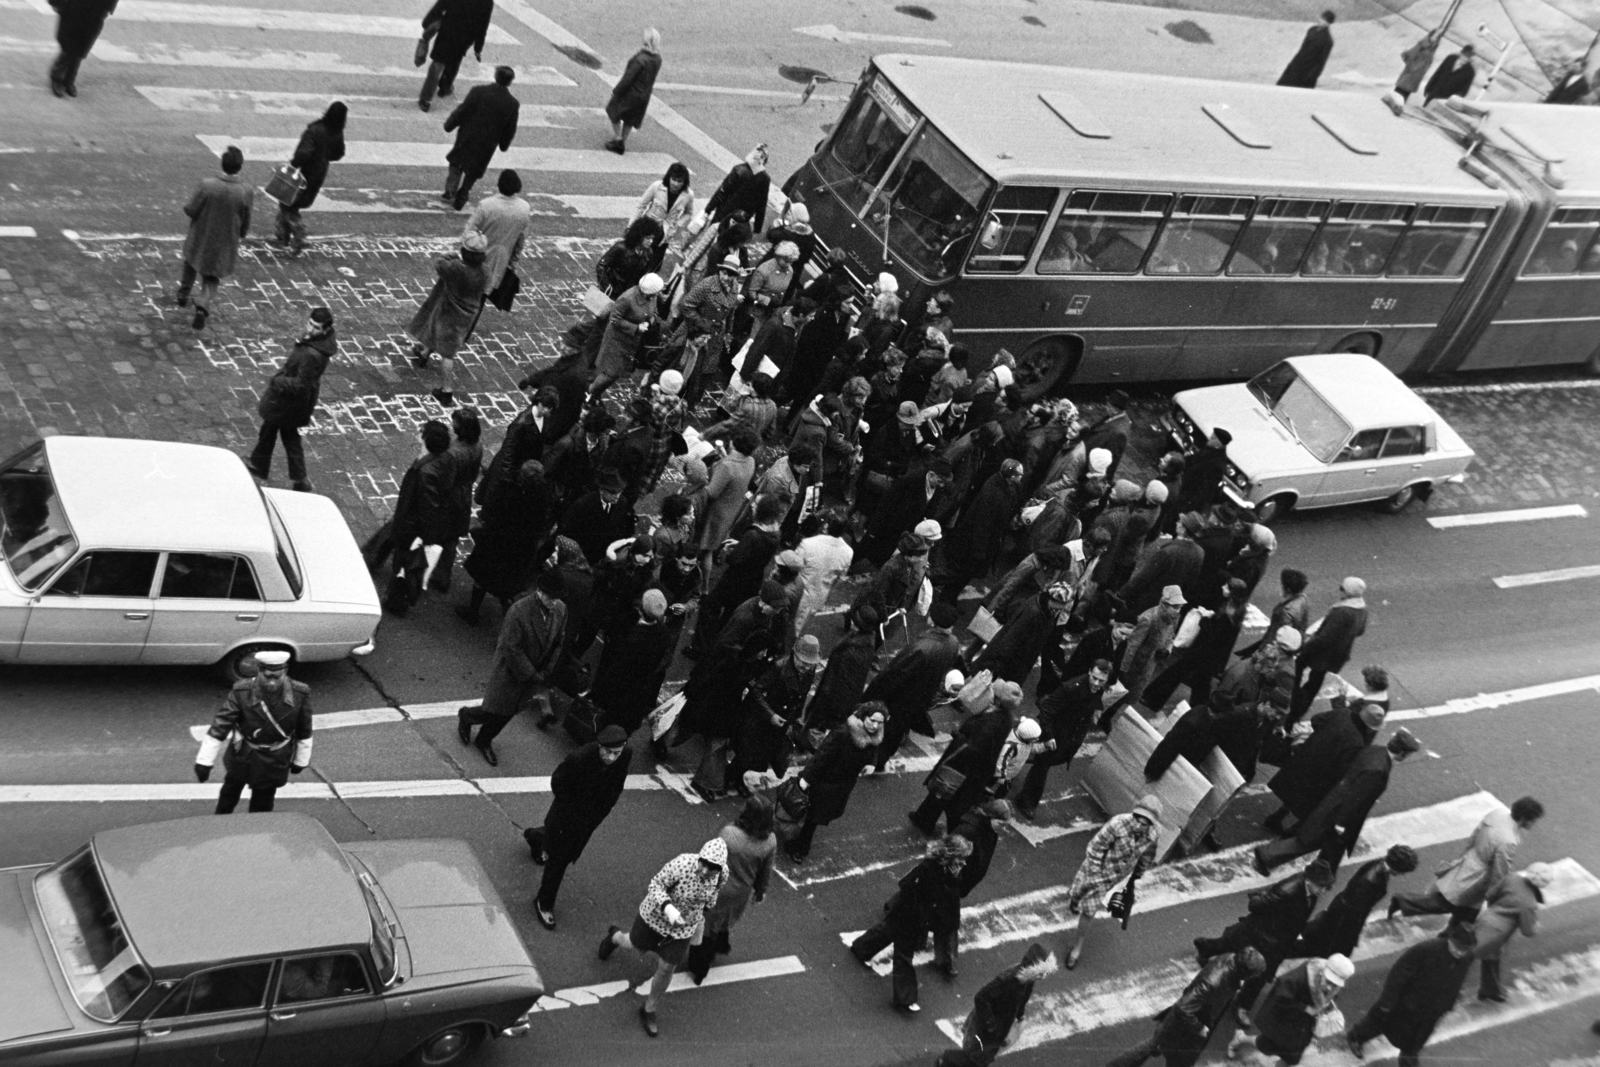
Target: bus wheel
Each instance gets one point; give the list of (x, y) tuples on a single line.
[(1274, 508), (1365, 343), (1046, 367), (1394, 505)]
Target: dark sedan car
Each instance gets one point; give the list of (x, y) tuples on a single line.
[(256, 941)]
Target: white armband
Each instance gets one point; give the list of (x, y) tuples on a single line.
[(210, 749), (302, 752)]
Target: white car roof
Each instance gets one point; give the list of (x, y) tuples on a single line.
[(122, 493), (1364, 391)]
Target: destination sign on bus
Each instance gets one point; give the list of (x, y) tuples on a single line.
[(892, 104)]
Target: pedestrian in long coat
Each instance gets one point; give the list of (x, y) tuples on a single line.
[(630, 97), (1000, 1005), (844, 679), (928, 902), (744, 188), (1453, 78), (291, 400), (1150, 643), (600, 517), (529, 435), (669, 201), (725, 493), (514, 524), (633, 664), (502, 218), (445, 320), (1420, 988), (1118, 852), (632, 315), (219, 218), (911, 681), (746, 564), (1184, 1027), (752, 850), (1066, 715), (1511, 906), (529, 646), (262, 732), (829, 777), (1287, 1019), (1316, 764), (583, 790), (1275, 917), (1338, 927), (1329, 648), (1174, 563), (980, 826), (460, 25), (973, 753), (1306, 66), (1417, 59), (320, 144), (485, 119), (78, 27), (1460, 886), (772, 705), (466, 460), (826, 557), (1025, 635), (973, 547), (1198, 665)]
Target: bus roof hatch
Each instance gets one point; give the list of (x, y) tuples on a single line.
[(1239, 128), (1341, 132), (1070, 110)]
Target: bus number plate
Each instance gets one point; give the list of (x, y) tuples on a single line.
[(1384, 303), (1077, 304)]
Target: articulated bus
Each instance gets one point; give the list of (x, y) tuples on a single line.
[(1105, 226)]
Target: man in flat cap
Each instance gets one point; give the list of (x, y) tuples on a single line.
[(263, 734)]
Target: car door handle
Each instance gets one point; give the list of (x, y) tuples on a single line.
[(158, 1033), (248, 617), (136, 615), (283, 1016), (1371, 471)]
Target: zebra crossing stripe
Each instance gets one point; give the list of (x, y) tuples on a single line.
[(432, 153), (258, 18), (161, 55), (367, 108)]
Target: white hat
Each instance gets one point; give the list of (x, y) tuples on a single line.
[(929, 530), (799, 218), (1540, 875), (1150, 807), (953, 681), (1002, 375), (651, 284), (1099, 460), (474, 242), (1263, 538), (1337, 968), (1288, 639), (1173, 594), (731, 262), (887, 283), (671, 382), (272, 657), (787, 250), (1156, 492), (1353, 587), (1028, 730)]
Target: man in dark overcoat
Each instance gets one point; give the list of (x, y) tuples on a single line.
[(1306, 66), (920, 493), (599, 518), (1183, 1029), (973, 547), (263, 734), (484, 121), (633, 664), (77, 29), (459, 25), (1338, 927), (291, 400), (1065, 717), (1329, 648), (974, 751), (850, 664), (1275, 916), (911, 681), (530, 643), (583, 791), (1421, 987), (528, 436), (219, 217), (1316, 764)]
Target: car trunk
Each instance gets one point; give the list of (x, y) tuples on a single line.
[(29, 1003), (330, 560)]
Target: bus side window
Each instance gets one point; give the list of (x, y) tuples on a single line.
[(1562, 245), (1103, 233), (1011, 227), (1197, 237), (1275, 240), (1440, 242), (1357, 239)]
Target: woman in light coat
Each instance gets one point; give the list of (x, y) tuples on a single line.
[(1151, 642), (670, 202), (752, 848), (826, 557), (730, 480), (502, 219), (445, 320)]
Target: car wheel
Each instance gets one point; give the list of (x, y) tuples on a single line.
[(1394, 505), (1367, 344), (1274, 508), (240, 664), (447, 1047), (1046, 367)]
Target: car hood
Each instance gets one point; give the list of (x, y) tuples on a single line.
[(27, 988), (1260, 443), (451, 915), (335, 573)]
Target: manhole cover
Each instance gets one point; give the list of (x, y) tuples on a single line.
[(1189, 30), (1033, 20), (580, 56), (917, 11), (801, 75)]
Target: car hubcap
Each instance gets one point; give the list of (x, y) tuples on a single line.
[(447, 1046)]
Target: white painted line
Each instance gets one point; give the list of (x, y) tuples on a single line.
[(439, 709), (1044, 911), (263, 102), (1489, 701), (1566, 574), (17, 231), (1514, 387), (104, 794), (731, 90), (160, 55), (395, 789), (754, 970), (1487, 518), (427, 787), (432, 153), (829, 32), (256, 18), (1142, 993)]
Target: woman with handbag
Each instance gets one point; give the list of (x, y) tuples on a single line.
[(446, 318), (502, 219), (321, 143), (968, 772), (632, 315), (291, 400), (1121, 848), (928, 902), (830, 776), (752, 848)]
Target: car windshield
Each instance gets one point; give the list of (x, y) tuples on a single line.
[(1301, 410), (34, 534), (383, 952), (288, 562), (105, 974), (931, 206)]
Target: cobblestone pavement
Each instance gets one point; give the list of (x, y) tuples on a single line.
[(95, 346)]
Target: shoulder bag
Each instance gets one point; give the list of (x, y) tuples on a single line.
[(505, 294), (286, 184), (944, 781)]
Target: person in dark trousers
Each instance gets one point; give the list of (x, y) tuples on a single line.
[(1315, 765), (421, 513), (1338, 927), (974, 545), (830, 776), (744, 188), (1512, 905), (1201, 484), (576, 461), (1065, 718), (973, 752), (219, 218), (1416, 60), (980, 824), (928, 902), (746, 566), (1306, 66), (633, 664), (998, 1007), (1276, 916), (910, 682), (1198, 665), (291, 400), (1420, 988), (583, 790), (485, 119), (514, 526), (529, 645), (1184, 1028), (321, 144), (458, 25), (920, 493), (1329, 648), (466, 459), (1027, 631), (850, 664), (630, 97), (1288, 1017), (262, 732), (752, 848), (1453, 77), (78, 27), (1174, 563), (772, 705)]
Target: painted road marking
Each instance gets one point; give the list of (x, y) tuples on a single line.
[(17, 231), (830, 32), (1515, 387), (383, 790), (552, 205), (1142, 993), (262, 102), (432, 153), (256, 18), (160, 55), (1487, 518), (731, 90), (1565, 574), (1044, 911), (1489, 701), (585, 995)]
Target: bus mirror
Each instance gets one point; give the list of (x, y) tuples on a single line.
[(989, 239)]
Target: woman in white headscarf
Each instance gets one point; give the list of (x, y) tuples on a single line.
[(631, 95)]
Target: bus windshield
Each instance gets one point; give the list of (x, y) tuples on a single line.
[(1301, 410), (931, 206), (869, 137)]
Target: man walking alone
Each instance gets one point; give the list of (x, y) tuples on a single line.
[(291, 400), (530, 642), (76, 32), (219, 217), (462, 24), (583, 791), (263, 734), (486, 119)]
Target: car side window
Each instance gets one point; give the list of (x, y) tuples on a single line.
[(219, 989), (1364, 445), (321, 978), (108, 573), (208, 576), (1404, 441)]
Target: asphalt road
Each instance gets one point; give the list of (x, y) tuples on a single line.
[(77, 747)]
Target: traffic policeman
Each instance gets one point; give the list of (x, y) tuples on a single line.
[(263, 734)]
